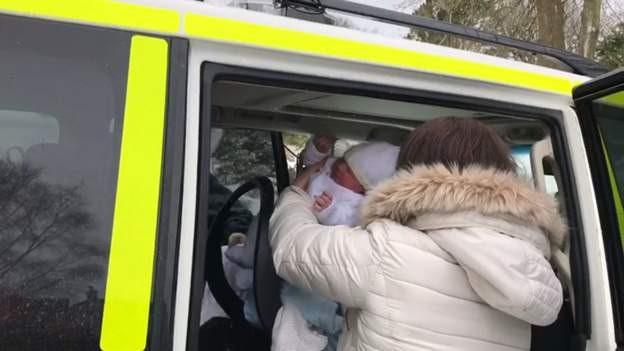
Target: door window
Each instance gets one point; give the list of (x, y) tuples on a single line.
[(609, 114), (600, 105), (239, 155), (62, 91)]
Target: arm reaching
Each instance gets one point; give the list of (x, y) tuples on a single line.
[(331, 261)]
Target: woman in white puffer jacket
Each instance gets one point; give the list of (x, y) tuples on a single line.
[(452, 253)]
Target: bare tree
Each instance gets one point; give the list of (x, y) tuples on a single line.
[(590, 27), (42, 229), (550, 22), (514, 18)]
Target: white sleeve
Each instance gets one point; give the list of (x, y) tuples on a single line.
[(509, 274), (339, 213), (311, 155), (331, 261)]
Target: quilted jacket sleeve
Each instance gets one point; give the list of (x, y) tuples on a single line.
[(508, 274), (331, 261)]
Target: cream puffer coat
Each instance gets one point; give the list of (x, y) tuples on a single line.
[(445, 260)]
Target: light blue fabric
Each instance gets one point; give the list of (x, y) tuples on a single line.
[(321, 313), (332, 341), (250, 310)]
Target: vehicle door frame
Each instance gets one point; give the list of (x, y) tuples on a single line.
[(552, 118), (601, 169)]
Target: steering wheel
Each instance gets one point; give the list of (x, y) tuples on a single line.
[(266, 283)]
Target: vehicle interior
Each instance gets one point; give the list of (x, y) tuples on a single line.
[(257, 133)]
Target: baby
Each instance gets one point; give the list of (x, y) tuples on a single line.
[(339, 188), (309, 322)]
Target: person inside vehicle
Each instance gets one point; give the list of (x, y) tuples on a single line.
[(213, 320), (317, 148), (237, 274), (452, 253), (306, 321), (339, 187)]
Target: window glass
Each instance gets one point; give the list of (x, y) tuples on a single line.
[(609, 113), (551, 184), (306, 114), (238, 155), (522, 156), (62, 91), (21, 130), (294, 143)]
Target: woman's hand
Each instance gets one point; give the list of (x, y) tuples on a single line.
[(322, 201), (303, 179)]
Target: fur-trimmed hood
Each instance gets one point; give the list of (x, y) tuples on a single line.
[(489, 192)]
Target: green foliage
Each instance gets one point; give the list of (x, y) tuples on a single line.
[(610, 50), (242, 155), (297, 140)]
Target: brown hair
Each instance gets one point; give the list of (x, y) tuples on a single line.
[(456, 142)]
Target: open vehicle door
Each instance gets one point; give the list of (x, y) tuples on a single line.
[(600, 107)]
